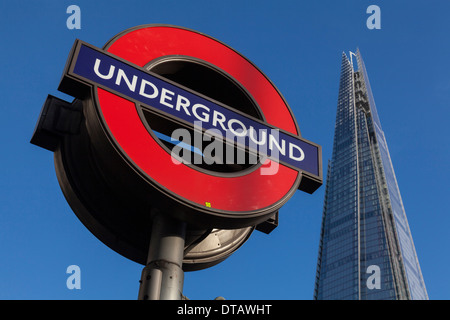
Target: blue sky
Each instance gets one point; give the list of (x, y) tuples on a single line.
[(298, 45)]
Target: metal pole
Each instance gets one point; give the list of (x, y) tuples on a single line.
[(163, 277)]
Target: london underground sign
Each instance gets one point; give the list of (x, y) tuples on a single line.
[(89, 64), (117, 172)]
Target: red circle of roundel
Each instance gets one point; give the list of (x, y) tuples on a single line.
[(248, 192)]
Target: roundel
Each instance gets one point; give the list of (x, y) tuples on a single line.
[(115, 156), (247, 192)]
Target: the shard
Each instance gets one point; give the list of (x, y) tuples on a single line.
[(366, 250)]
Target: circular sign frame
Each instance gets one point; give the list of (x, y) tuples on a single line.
[(216, 198), (117, 174)]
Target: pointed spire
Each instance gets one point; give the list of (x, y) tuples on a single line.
[(345, 60)]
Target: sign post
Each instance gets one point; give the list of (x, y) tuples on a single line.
[(162, 278), (233, 153)]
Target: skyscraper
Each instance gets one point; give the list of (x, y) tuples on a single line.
[(366, 249)]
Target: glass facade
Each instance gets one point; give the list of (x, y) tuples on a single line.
[(366, 249)]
